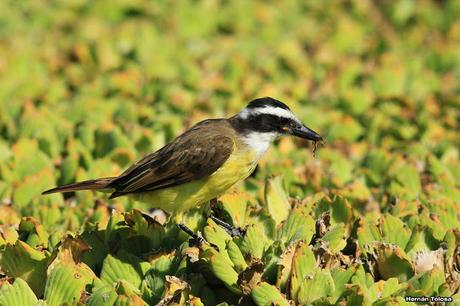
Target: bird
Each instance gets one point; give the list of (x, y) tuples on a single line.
[(203, 162)]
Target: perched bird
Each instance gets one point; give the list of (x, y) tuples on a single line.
[(203, 162)]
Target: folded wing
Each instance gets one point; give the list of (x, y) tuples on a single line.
[(194, 155)]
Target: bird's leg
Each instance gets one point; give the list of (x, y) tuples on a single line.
[(230, 229), (195, 238)]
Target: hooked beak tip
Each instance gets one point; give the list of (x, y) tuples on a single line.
[(307, 133)]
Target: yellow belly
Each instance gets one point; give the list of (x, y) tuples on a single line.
[(189, 195)]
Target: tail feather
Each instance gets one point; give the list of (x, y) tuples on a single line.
[(97, 184)]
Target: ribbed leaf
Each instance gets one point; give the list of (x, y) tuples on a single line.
[(335, 238), (341, 277), (123, 266), (235, 204), (254, 241), (20, 260), (236, 256), (429, 282), (216, 235), (393, 262), (222, 267), (143, 229), (266, 295), (128, 295), (407, 183), (395, 231), (105, 295), (32, 232), (116, 230), (303, 266), (155, 276), (368, 233), (317, 285), (17, 294), (298, 226), (285, 266), (276, 199), (64, 285)]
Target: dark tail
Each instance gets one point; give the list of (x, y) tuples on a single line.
[(97, 184)]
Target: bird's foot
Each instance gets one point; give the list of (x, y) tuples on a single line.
[(230, 229), (195, 239)]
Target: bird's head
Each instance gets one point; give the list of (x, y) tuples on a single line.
[(268, 115), (265, 119)]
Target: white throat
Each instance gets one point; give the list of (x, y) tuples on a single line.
[(259, 142)]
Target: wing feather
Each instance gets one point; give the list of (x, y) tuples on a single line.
[(197, 153)]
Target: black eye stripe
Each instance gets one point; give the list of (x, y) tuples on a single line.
[(261, 123)]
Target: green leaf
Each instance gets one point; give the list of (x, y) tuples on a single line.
[(391, 287), (303, 266), (235, 204), (429, 282), (97, 249), (393, 262), (145, 233), (341, 210), (407, 182), (18, 294), (127, 295), (65, 284), (223, 268), (30, 187), (341, 278), (318, 284), (155, 277), (116, 230), (236, 256), (28, 159), (368, 233), (105, 295), (285, 266), (276, 199), (69, 168), (216, 235), (335, 238), (266, 295), (32, 232), (254, 241), (348, 129), (298, 226), (395, 231), (67, 276), (20, 260), (124, 266)]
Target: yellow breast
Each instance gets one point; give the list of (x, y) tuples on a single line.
[(183, 197)]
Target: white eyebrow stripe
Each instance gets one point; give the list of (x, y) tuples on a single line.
[(269, 110)]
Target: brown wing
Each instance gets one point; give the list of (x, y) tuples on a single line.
[(197, 153)]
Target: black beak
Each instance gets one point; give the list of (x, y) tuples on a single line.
[(304, 132)]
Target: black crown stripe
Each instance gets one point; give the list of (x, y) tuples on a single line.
[(266, 101)]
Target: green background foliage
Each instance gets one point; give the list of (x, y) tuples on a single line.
[(88, 87)]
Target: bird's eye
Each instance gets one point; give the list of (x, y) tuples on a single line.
[(285, 125), (285, 129)]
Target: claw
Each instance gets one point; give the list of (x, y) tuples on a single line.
[(195, 239), (230, 229)]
